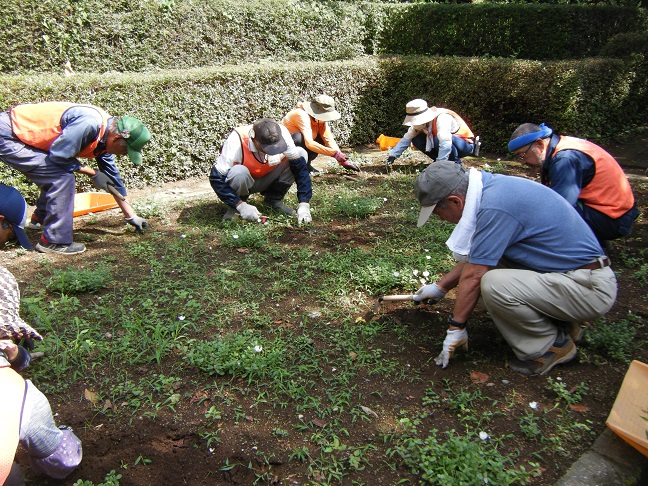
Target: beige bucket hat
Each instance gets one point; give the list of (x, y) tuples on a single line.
[(418, 113), (322, 108)]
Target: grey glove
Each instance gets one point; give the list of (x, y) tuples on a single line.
[(248, 212), (429, 294), (102, 181), (140, 224), (453, 340), (303, 213)]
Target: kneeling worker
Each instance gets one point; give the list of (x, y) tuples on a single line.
[(261, 158)]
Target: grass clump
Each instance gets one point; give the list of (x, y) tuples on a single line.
[(460, 460), (79, 281), (614, 340)]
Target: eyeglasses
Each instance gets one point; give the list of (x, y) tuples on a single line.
[(520, 157)]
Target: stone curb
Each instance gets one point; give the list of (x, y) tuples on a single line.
[(610, 462)]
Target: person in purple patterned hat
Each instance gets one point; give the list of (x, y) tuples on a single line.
[(25, 413)]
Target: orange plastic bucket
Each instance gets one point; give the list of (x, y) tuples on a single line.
[(92, 202), (386, 143)]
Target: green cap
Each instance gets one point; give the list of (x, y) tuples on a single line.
[(136, 136)]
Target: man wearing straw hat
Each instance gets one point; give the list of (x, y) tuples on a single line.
[(439, 133), (25, 413), (308, 126)]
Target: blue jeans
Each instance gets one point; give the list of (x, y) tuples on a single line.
[(460, 147)]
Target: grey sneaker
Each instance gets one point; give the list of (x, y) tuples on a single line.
[(230, 214), (34, 225), (558, 353), (280, 206), (71, 249)]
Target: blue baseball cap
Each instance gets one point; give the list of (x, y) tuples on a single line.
[(14, 209)]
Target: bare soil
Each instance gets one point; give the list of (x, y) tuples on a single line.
[(178, 455)]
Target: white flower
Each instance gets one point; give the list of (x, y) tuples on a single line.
[(415, 272), (533, 405), (428, 257), (385, 199), (396, 274), (183, 236), (235, 237), (483, 435), (181, 318), (258, 348), (426, 274), (423, 281)]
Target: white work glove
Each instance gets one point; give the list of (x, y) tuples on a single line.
[(101, 181), (248, 212), (140, 224), (429, 294), (303, 213), (453, 340)]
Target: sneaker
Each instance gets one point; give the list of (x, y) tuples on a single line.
[(558, 353), (230, 214), (71, 249), (280, 206), (312, 169), (34, 225)]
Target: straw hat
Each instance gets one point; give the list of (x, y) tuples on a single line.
[(418, 113), (322, 108)]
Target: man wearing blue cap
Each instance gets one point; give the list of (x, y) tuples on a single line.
[(588, 177), (13, 216), (44, 141)]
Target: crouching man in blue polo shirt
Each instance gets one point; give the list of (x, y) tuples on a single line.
[(526, 252)]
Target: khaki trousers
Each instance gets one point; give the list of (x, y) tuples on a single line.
[(525, 305)]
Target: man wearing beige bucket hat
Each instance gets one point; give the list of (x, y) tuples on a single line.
[(439, 133), (309, 128), (25, 413)]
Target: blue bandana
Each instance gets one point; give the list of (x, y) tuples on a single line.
[(528, 138)]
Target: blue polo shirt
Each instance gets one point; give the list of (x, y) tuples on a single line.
[(530, 226)]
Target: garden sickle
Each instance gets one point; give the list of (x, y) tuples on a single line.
[(376, 306)]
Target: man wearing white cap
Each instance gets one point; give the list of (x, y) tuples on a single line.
[(309, 128), (526, 252), (44, 141), (439, 133)]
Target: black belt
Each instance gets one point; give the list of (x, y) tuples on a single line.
[(600, 262)]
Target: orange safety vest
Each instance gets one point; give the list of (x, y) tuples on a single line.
[(13, 395), (256, 168), (39, 124), (463, 131), (609, 191)]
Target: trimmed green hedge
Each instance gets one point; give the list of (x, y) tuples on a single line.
[(101, 36), (136, 35), (539, 32), (190, 112)]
